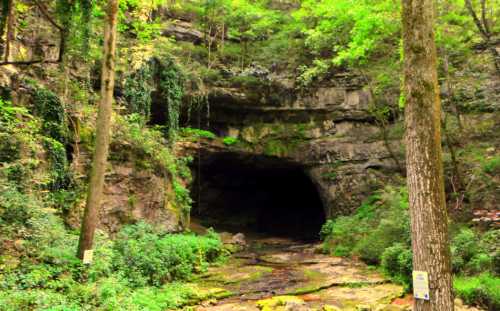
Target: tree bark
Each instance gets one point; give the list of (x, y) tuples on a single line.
[(430, 243), (9, 37), (103, 133)]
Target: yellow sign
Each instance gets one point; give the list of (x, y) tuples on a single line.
[(420, 285), (87, 256)]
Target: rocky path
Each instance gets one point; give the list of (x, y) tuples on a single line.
[(278, 274)]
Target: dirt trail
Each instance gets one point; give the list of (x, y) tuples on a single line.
[(280, 274)]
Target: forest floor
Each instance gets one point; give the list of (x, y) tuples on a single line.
[(281, 274)]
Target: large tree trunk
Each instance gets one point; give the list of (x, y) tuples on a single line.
[(430, 243), (103, 133)]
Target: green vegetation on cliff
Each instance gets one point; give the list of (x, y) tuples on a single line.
[(239, 77)]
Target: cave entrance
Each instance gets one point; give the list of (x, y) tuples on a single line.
[(256, 195)]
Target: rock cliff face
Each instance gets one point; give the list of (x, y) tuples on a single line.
[(327, 132)]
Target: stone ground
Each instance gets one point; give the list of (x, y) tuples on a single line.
[(282, 275)]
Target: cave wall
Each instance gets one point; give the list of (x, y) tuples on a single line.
[(329, 132)]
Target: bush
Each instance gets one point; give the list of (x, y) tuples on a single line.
[(392, 229), (492, 165), (463, 246), (480, 262), (378, 223), (473, 253), (479, 290), (50, 277), (148, 257), (16, 208), (397, 263)]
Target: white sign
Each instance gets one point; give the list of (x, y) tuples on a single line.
[(420, 285), (87, 256)]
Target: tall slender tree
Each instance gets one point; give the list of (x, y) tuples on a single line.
[(431, 252), (99, 160), (10, 35)]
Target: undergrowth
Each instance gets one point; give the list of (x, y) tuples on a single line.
[(139, 270), (379, 233)]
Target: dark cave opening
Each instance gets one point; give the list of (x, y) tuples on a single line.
[(256, 195), (158, 110)]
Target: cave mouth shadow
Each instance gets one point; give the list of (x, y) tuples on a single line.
[(256, 195)]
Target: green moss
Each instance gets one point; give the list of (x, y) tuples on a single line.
[(280, 147), (229, 141), (332, 176), (273, 303), (192, 133)]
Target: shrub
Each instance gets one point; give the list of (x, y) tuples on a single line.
[(379, 222), (480, 290), (146, 256), (397, 263), (473, 253), (464, 245), (393, 228), (16, 208), (480, 262), (491, 165)]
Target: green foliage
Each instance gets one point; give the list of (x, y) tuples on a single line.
[(148, 257), (396, 260), (164, 76), (16, 208), (75, 18), (138, 89), (9, 114), (50, 109), (229, 141), (10, 148), (474, 253), (378, 224), (48, 276), (182, 197), (480, 290), (151, 151), (171, 88), (61, 176), (349, 31), (492, 165), (464, 247), (189, 132)]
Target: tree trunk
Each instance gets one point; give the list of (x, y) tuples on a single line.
[(431, 252), (103, 133), (9, 37)]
